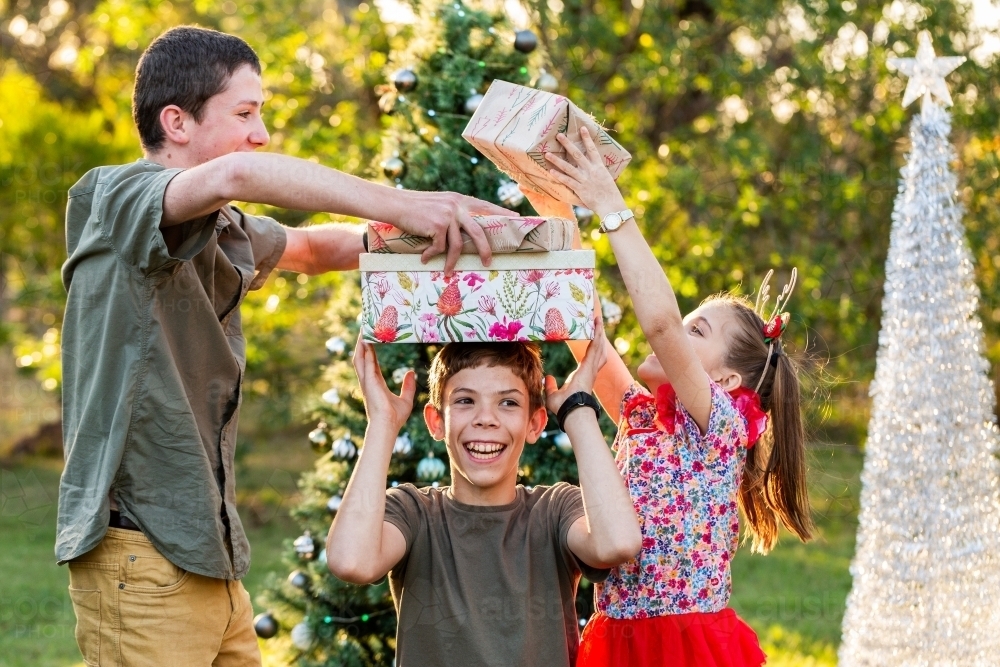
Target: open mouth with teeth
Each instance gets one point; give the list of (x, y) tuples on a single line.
[(484, 451)]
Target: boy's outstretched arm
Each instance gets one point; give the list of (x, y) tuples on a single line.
[(288, 182), (361, 546), (652, 296), (614, 378), (608, 532)]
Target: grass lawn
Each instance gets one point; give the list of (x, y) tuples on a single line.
[(793, 597)]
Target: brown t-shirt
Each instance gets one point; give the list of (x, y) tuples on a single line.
[(493, 585)]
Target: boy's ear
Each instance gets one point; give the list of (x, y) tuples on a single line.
[(172, 120), (536, 424), (435, 421)]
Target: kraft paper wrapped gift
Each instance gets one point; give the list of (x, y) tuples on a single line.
[(515, 126), (505, 235), (521, 296)]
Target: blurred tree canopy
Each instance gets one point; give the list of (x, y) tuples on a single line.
[(765, 134)]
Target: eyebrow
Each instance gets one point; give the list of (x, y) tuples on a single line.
[(253, 103), (473, 391)]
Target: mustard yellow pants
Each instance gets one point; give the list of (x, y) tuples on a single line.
[(135, 608)]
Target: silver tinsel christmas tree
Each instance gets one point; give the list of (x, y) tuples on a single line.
[(927, 566)]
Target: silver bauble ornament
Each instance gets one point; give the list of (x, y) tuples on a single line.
[(333, 504), (430, 468), (546, 82), (562, 443), (394, 168), (336, 345), (403, 445), (472, 103), (343, 448), (265, 625), (331, 396), (320, 439), (611, 312), (510, 195), (302, 636), (525, 41), (404, 80), (583, 215), (305, 546), (299, 579)]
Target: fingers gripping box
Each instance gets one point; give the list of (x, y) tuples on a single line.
[(522, 296)]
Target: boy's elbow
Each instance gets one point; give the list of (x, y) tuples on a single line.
[(231, 176), (348, 568)]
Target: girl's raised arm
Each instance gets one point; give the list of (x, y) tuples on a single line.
[(652, 296), (614, 378)]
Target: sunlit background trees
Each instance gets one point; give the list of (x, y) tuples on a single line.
[(765, 134)]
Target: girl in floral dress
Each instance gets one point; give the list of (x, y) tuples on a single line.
[(718, 430)]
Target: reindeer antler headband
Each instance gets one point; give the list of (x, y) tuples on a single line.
[(777, 322)]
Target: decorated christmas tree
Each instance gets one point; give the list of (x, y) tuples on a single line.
[(435, 87), (927, 567)]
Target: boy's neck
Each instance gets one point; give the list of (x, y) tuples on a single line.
[(502, 493)]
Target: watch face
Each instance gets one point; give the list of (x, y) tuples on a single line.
[(613, 221)]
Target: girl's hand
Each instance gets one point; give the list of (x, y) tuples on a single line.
[(586, 175), (380, 403), (582, 379)]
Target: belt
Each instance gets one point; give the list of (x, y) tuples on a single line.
[(119, 521)]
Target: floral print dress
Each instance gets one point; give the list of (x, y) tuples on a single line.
[(684, 485)]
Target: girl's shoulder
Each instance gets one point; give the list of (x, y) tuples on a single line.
[(664, 414)]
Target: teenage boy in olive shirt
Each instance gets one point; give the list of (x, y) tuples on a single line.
[(153, 349), (483, 572)]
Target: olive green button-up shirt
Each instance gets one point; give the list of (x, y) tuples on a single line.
[(153, 358)]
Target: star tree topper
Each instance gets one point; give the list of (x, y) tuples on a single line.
[(926, 72)]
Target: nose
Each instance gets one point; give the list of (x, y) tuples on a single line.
[(258, 135), (486, 417)]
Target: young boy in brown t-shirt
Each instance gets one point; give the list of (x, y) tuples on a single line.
[(483, 572)]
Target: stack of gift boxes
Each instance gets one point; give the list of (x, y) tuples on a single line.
[(536, 287)]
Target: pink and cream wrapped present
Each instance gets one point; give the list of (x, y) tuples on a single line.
[(505, 235), (515, 126), (521, 296)]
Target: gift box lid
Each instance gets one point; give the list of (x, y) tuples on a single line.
[(560, 259)]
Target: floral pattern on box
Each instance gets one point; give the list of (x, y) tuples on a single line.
[(476, 306)]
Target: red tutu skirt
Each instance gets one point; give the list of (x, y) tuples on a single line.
[(719, 639)]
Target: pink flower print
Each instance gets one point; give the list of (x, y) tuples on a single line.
[(648, 543), (647, 466), (471, 279), (430, 336), (684, 603), (703, 594), (706, 538), (504, 330), (429, 318), (382, 287), (488, 304), (551, 290), (697, 466), (678, 538), (531, 276)]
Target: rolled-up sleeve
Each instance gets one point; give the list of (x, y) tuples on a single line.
[(268, 239)]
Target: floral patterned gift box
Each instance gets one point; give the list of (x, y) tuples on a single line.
[(523, 296)]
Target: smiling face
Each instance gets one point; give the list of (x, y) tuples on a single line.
[(485, 419), (707, 328), (230, 123)]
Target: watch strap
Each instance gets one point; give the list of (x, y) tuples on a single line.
[(573, 401)]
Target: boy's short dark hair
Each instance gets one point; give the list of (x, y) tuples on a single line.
[(185, 66), (523, 359)]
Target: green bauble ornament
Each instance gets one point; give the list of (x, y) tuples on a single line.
[(430, 468)]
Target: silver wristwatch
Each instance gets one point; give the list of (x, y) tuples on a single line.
[(613, 221)]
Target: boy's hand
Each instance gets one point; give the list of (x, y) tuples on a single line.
[(380, 403), (582, 379), (443, 216), (586, 175)]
